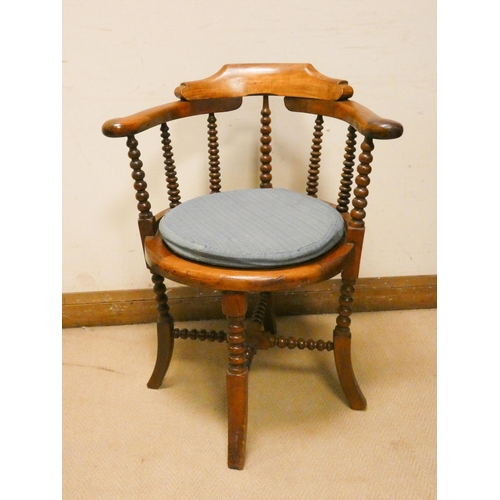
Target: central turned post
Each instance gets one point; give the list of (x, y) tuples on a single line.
[(234, 307), (265, 148)]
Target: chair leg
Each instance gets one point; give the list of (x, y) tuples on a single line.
[(234, 307), (342, 348), (165, 328)]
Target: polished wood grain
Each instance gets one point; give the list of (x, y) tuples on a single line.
[(282, 79), (234, 306), (162, 261), (152, 117), (362, 119)]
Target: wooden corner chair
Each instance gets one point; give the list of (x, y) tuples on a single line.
[(259, 240)]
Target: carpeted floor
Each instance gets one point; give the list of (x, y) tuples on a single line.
[(124, 441)]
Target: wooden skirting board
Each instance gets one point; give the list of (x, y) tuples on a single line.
[(125, 307)]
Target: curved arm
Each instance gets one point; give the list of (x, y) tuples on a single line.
[(133, 124), (362, 119)]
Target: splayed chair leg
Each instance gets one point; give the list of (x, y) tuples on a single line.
[(342, 348), (165, 328), (234, 307)]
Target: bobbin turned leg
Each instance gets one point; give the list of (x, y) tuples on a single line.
[(165, 328), (234, 306), (342, 348)]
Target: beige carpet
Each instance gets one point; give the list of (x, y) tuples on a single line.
[(124, 441)]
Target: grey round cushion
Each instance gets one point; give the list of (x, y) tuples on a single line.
[(252, 228)]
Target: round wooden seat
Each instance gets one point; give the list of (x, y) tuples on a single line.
[(169, 265)]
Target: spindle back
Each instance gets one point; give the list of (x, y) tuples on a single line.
[(304, 90)]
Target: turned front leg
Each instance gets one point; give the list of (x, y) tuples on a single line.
[(234, 306)]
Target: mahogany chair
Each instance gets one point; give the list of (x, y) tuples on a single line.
[(259, 240)]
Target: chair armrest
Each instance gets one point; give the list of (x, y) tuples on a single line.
[(133, 124), (362, 119)]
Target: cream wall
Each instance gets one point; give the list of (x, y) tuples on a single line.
[(124, 56)]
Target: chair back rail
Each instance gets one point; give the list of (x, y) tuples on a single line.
[(240, 80)]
